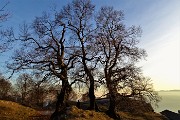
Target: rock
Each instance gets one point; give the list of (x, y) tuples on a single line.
[(171, 115)]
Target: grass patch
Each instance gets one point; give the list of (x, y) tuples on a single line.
[(14, 111), (141, 116), (78, 114)]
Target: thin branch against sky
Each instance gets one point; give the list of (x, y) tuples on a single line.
[(159, 19)]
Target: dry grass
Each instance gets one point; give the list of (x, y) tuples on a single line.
[(142, 116), (14, 111), (78, 114)]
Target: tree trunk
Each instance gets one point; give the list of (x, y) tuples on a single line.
[(111, 112), (91, 78), (62, 100), (63, 96), (91, 95), (112, 106)]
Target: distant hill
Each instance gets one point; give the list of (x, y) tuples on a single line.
[(168, 91)]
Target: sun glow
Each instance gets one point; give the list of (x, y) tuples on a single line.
[(163, 62)]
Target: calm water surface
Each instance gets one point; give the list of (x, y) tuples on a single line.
[(170, 101)]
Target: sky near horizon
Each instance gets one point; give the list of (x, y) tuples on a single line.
[(159, 20)]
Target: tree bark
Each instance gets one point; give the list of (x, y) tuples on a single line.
[(63, 96), (91, 78), (62, 99), (112, 106), (91, 95), (111, 112)]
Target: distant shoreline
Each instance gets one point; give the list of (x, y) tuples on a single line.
[(168, 91)]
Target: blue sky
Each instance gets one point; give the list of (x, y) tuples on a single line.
[(159, 19)]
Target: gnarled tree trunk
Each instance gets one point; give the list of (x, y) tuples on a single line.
[(62, 99), (111, 112)]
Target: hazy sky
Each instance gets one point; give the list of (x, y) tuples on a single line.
[(159, 19)]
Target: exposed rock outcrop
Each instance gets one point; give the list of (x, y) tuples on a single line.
[(171, 115)]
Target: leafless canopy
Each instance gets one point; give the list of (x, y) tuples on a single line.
[(86, 46), (3, 15)]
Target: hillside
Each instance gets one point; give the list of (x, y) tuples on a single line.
[(78, 114), (14, 111)]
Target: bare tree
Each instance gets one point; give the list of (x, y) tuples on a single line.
[(140, 88), (118, 47), (24, 85), (38, 91), (70, 47), (78, 17), (46, 51), (3, 17), (5, 88)]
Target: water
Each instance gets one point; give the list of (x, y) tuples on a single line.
[(170, 101)]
